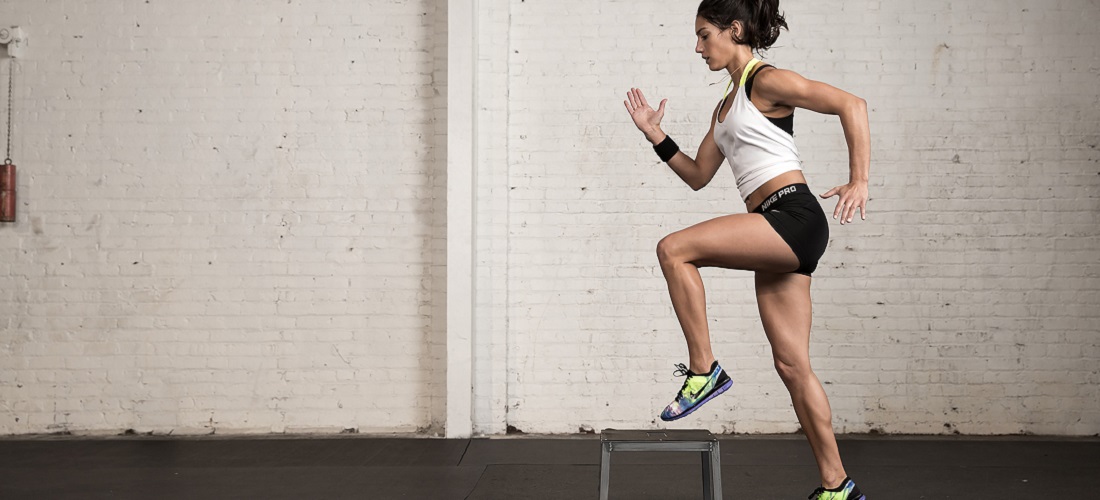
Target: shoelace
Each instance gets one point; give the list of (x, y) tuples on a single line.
[(681, 371)]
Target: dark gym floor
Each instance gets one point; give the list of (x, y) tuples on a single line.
[(533, 467)]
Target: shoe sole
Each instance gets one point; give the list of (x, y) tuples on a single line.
[(720, 390)]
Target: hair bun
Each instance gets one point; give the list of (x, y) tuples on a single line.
[(760, 20)]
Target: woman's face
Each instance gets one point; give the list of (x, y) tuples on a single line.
[(715, 45)]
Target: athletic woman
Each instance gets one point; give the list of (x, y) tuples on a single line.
[(785, 232)]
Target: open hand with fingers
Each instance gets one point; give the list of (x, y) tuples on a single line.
[(853, 195), (645, 117)]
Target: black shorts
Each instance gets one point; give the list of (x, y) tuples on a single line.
[(794, 213)]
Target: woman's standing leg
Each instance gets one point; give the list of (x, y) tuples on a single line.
[(785, 310)]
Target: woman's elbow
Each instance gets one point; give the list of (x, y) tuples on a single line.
[(696, 182), (859, 104), (851, 107), (701, 181)]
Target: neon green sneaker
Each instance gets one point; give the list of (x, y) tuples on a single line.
[(698, 389), (846, 491)]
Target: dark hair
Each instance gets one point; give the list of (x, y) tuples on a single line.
[(760, 19)]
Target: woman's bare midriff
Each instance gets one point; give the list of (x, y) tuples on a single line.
[(782, 180)]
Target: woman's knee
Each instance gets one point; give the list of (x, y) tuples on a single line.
[(792, 370), (669, 249)]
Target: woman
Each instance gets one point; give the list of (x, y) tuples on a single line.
[(785, 232)]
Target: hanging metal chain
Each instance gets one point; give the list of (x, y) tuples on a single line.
[(11, 71)]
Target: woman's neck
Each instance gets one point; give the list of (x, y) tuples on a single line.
[(737, 66)]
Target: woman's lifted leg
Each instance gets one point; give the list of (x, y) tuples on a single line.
[(741, 241)]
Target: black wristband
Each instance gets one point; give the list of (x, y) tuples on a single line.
[(667, 149)]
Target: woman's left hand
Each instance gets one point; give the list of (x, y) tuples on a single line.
[(852, 195)]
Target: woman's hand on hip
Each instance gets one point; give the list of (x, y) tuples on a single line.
[(646, 118), (853, 195)]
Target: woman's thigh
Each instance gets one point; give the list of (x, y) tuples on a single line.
[(738, 241), (786, 312)]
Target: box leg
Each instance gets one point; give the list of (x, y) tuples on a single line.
[(708, 476), (715, 467), (605, 470)]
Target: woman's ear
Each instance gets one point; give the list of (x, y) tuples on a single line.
[(737, 30)]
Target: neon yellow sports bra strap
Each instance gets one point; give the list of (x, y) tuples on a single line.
[(747, 72)]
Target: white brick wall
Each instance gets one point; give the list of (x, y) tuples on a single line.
[(261, 154), (970, 300), (492, 358), (436, 309), (226, 217)]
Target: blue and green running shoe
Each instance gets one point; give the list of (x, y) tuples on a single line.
[(846, 491), (697, 389)]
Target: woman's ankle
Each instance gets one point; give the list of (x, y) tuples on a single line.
[(706, 368)]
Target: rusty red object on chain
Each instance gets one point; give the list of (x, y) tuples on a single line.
[(7, 192)]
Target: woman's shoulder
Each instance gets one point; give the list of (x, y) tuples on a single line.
[(770, 72), (772, 81)]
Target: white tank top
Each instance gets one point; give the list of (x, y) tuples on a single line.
[(757, 150)]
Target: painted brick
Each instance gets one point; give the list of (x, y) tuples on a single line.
[(276, 173)]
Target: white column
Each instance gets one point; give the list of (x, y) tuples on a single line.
[(461, 189)]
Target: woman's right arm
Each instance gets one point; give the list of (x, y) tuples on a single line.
[(695, 173)]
